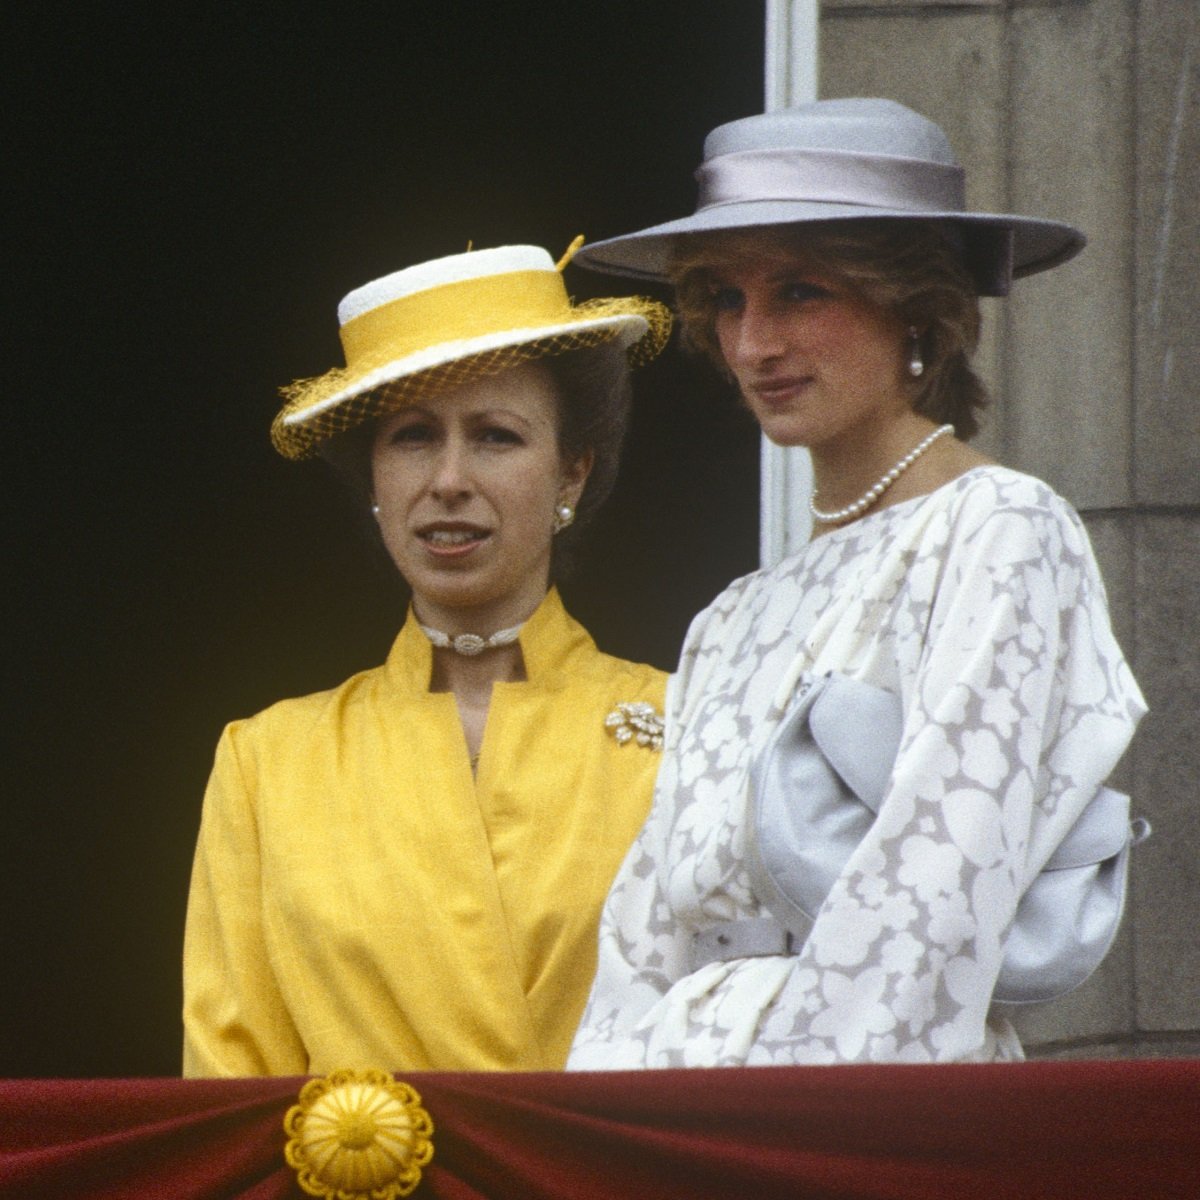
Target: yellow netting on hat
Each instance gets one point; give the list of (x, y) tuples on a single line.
[(332, 413)]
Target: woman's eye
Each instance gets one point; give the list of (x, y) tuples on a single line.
[(411, 435), (498, 435), (726, 299), (799, 293)]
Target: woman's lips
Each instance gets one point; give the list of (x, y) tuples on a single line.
[(775, 392), (452, 541)]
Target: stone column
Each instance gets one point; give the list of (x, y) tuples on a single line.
[(1087, 110)]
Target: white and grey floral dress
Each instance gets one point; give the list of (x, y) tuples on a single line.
[(981, 606)]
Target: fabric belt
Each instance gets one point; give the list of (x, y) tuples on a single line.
[(755, 937)]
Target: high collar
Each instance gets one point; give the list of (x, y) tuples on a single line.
[(551, 641)]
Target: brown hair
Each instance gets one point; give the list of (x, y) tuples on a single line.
[(912, 270), (593, 388)]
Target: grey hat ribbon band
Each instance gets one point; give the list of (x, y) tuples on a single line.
[(831, 177)]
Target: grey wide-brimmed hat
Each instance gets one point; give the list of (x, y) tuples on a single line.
[(835, 160)]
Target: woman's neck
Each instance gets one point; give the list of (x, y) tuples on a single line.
[(470, 681), (844, 467), (470, 678), (842, 474), (480, 620)]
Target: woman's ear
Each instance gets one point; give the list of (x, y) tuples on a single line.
[(574, 477)]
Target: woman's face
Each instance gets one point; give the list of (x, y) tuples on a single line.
[(466, 483), (812, 361)]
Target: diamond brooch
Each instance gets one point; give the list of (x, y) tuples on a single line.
[(638, 722)]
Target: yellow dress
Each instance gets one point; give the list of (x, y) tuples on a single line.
[(359, 899)]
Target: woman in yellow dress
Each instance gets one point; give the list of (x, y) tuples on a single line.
[(406, 871)]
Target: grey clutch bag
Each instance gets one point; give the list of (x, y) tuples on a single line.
[(816, 789)]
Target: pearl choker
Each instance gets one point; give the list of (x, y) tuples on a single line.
[(471, 644), (885, 481)]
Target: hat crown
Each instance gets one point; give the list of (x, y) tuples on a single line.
[(453, 268), (862, 126), (859, 158)]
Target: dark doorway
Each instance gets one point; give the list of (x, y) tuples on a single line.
[(195, 187)]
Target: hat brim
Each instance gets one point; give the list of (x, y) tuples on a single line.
[(622, 330), (1037, 244), (301, 426)]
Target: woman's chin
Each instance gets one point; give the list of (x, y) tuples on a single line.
[(785, 434)]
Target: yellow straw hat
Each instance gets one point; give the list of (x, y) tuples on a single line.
[(444, 322)]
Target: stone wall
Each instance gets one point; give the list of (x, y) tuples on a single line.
[(1089, 111)]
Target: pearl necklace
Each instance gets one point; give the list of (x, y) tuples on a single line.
[(471, 644), (885, 481)]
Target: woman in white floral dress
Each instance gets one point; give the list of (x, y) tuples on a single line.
[(833, 273)]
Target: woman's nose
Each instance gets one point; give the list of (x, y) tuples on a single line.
[(451, 471), (757, 335)]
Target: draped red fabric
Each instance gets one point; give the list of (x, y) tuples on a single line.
[(1102, 1130)]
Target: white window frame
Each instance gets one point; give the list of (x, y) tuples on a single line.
[(784, 524)]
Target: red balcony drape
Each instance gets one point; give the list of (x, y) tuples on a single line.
[(1101, 1130)]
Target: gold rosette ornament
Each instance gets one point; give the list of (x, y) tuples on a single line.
[(358, 1135)]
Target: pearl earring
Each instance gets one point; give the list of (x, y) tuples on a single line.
[(374, 510), (564, 514), (916, 364)]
